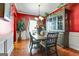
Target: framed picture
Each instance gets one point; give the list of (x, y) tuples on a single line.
[(7, 12), (1, 10)]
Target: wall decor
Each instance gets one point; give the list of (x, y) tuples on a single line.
[(7, 12)]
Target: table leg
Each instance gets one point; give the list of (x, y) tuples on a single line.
[(46, 51)]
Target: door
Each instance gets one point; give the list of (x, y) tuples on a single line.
[(32, 26)]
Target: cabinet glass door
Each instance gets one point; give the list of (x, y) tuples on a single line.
[(54, 23), (60, 22)]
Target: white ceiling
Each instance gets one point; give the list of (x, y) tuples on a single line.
[(33, 8)]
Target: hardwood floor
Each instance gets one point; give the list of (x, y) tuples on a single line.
[(21, 48)]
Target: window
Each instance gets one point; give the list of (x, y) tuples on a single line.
[(55, 22)]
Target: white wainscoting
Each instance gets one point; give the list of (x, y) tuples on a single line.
[(10, 44), (74, 40), (24, 35), (1, 48)]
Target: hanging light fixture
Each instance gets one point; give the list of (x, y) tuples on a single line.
[(36, 18), (40, 17)]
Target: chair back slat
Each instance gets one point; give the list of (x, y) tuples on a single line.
[(52, 37)]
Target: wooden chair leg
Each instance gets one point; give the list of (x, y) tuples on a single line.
[(31, 50), (56, 51)]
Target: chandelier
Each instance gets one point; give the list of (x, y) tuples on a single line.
[(40, 17)]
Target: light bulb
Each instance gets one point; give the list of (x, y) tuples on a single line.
[(36, 18), (41, 18)]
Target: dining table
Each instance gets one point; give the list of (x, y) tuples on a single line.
[(41, 38)]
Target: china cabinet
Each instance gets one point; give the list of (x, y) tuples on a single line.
[(55, 22), (58, 22)]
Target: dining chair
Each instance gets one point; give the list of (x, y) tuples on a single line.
[(33, 41), (50, 43)]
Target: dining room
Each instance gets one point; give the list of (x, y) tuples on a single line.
[(36, 24), (42, 29), (45, 26)]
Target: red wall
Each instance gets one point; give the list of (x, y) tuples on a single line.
[(14, 15), (74, 18)]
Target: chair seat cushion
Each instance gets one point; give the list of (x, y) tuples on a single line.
[(50, 42)]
